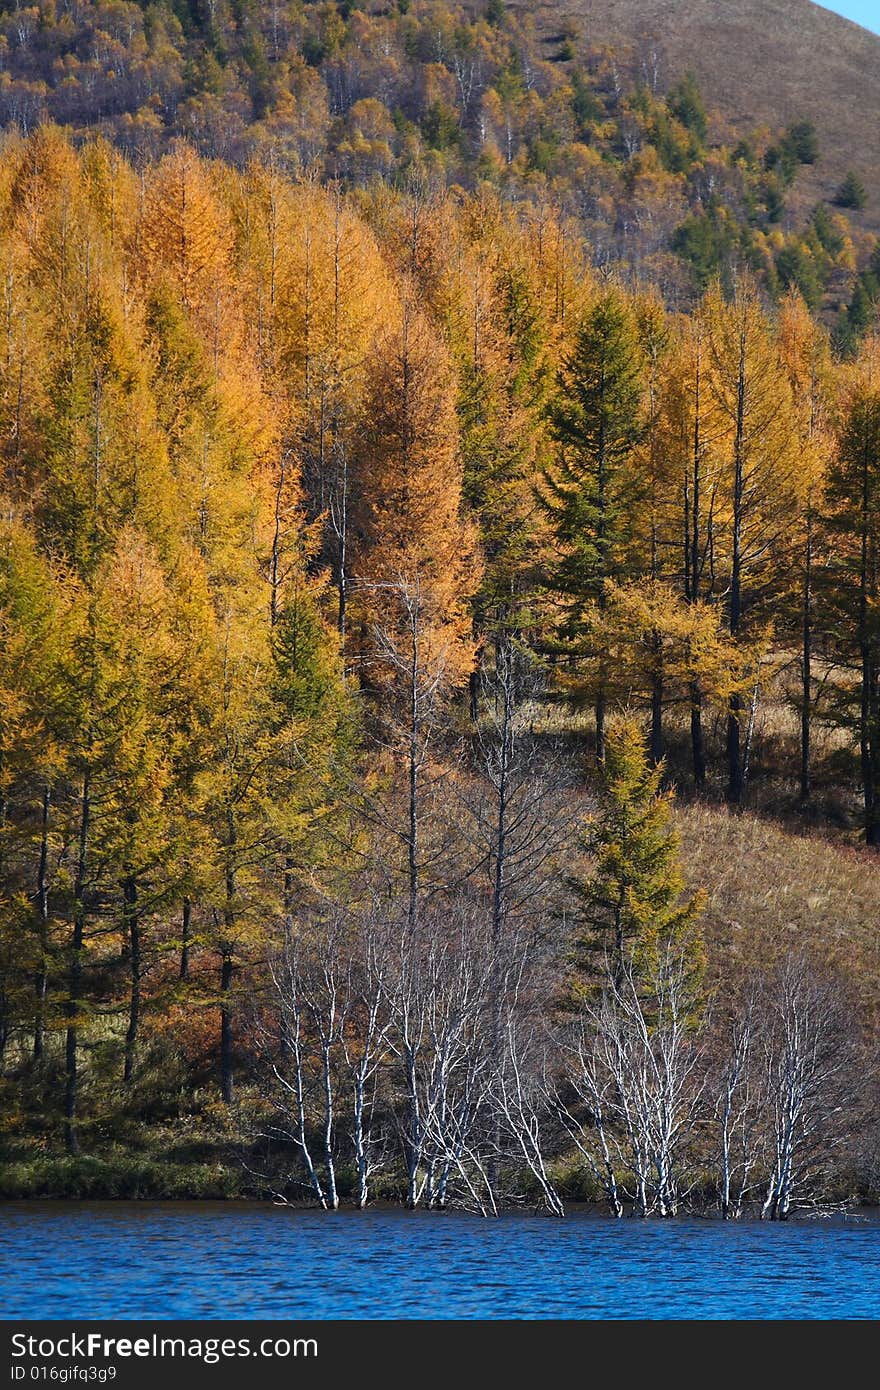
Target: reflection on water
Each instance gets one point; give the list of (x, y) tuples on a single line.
[(181, 1260)]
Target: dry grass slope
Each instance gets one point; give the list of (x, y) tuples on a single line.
[(771, 891), (760, 62)]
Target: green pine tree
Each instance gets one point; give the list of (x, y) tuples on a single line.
[(861, 312), (635, 903), (851, 193), (686, 103), (589, 493), (313, 706)]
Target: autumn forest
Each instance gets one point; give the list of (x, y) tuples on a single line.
[(439, 633)]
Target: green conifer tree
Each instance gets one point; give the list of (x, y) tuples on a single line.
[(589, 493), (851, 193), (634, 904)]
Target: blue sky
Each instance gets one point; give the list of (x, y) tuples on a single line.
[(866, 12)]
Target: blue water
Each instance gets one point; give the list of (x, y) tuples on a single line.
[(183, 1260)]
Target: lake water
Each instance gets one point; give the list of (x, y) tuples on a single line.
[(188, 1260)]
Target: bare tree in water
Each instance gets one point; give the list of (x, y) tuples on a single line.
[(806, 1059), (631, 1085)]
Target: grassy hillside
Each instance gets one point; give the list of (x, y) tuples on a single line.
[(759, 61), (771, 890)]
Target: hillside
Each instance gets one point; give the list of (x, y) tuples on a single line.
[(596, 110), (431, 669), (761, 62)]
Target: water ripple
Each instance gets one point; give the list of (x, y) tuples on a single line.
[(181, 1260)]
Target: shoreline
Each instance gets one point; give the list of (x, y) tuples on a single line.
[(859, 1214)]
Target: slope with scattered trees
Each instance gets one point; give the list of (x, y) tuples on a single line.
[(664, 188), (439, 688)]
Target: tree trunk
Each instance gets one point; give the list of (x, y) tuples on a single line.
[(226, 1073), (185, 939), (360, 1143), (343, 591), (341, 528), (42, 980), (133, 932), (698, 746), (602, 575), (275, 557), (74, 988), (807, 664), (226, 968), (413, 778), (870, 742), (869, 709), (735, 780), (412, 1140), (329, 1160), (504, 669), (600, 726), (694, 541), (656, 751), (692, 544)]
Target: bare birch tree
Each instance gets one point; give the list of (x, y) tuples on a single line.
[(364, 1044), (437, 1002), (807, 1092), (632, 1087), (519, 1094), (739, 1109), (291, 1062)]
